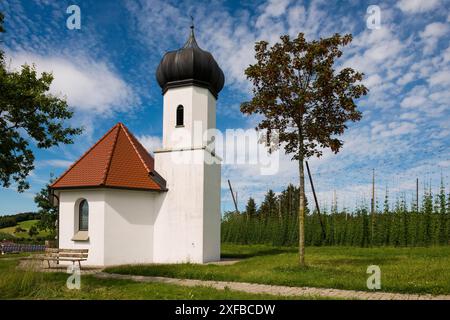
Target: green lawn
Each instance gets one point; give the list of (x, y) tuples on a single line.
[(18, 284), (412, 270), (406, 270), (26, 225)]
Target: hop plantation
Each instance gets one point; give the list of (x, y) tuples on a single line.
[(392, 223)]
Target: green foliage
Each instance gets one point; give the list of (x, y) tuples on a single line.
[(28, 113), (47, 211), (299, 93), (276, 223), (19, 229), (6, 236), (33, 231), (7, 221)]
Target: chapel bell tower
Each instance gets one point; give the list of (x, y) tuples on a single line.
[(189, 221), (191, 80)]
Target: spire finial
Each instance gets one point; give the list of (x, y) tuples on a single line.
[(191, 43), (192, 22)]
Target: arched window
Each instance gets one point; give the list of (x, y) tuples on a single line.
[(83, 216), (180, 116)]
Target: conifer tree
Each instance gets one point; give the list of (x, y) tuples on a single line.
[(442, 214), (428, 211), (388, 218), (365, 239), (269, 207), (250, 208), (448, 219), (405, 222)]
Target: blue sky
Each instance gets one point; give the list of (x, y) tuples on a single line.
[(106, 70)]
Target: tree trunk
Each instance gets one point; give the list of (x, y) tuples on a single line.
[(301, 215)]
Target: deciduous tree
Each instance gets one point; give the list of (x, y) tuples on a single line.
[(47, 211), (299, 94)]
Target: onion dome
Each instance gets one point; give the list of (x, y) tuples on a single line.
[(190, 65)]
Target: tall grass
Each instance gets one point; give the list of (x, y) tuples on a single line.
[(24, 283)]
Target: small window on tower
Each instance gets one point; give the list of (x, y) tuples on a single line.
[(180, 116)]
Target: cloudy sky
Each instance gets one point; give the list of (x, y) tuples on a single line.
[(106, 70)]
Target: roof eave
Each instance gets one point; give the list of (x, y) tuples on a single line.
[(108, 187)]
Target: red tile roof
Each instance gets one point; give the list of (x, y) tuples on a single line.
[(117, 160)]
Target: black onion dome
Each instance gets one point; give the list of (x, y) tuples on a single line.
[(190, 65)]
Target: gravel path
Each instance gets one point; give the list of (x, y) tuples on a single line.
[(278, 290)]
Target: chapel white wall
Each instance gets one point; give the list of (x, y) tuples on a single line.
[(178, 231), (129, 219), (120, 225), (68, 223), (211, 210)]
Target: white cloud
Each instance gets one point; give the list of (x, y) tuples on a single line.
[(295, 16), (413, 102), (406, 79), (441, 78), (431, 34), (90, 86), (446, 55), (435, 29), (273, 9), (414, 6), (398, 128), (373, 80), (441, 97), (409, 116), (151, 143), (58, 163)]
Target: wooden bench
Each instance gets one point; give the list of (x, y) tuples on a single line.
[(73, 255)]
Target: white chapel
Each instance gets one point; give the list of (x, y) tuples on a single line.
[(128, 207)]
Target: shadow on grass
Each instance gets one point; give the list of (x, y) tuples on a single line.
[(358, 261), (257, 252)]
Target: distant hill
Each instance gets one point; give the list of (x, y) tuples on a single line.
[(13, 219), (15, 227), (11, 233)]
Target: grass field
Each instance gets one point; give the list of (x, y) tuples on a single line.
[(18, 284), (403, 270), (26, 225)]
